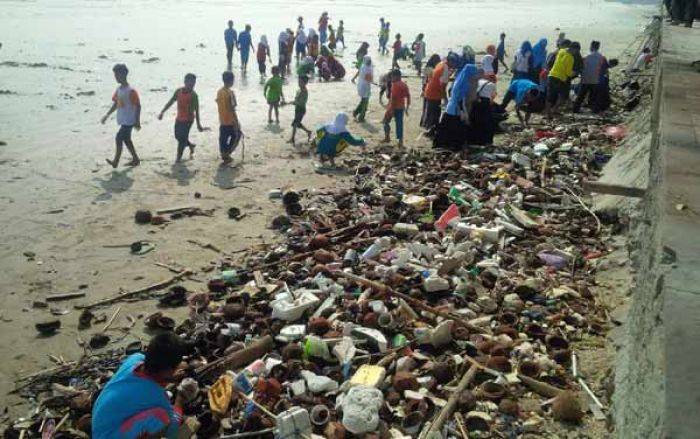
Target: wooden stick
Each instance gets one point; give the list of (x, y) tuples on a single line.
[(63, 421), (66, 296), (262, 408), (175, 209), (239, 358), (460, 425), (169, 267), (449, 408), (130, 294), (415, 302), (111, 320), (205, 245), (612, 189)]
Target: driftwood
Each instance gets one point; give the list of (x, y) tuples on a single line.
[(449, 408), (130, 294), (237, 359), (382, 288), (67, 296), (175, 209)]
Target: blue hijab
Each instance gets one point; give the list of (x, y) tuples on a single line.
[(461, 88), (539, 53), (525, 47)]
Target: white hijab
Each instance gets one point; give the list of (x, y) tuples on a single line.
[(339, 124), (263, 40)]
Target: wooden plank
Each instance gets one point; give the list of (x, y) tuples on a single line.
[(67, 296), (612, 189)]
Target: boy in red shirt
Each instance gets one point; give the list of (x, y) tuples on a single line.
[(398, 105), (187, 111), (398, 46)]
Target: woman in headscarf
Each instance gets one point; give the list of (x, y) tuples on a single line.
[(337, 69), (306, 67), (539, 59), (452, 132), (481, 120), (313, 44), (487, 63), (333, 138), (364, 87), (522, 62)]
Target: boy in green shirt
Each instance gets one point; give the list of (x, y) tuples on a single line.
[(273, 95), (300, 101)]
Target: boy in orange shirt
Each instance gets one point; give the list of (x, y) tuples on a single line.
[(229, 128), (187, 112), (125, 102), (398, 106)]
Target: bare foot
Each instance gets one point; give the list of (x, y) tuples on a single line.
[(291, 141), (134, 163), (308, 137), (112, 164)]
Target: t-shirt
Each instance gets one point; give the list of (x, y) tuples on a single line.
[(244, 40), (340, 32), (226, 102), (301, 98), (522, 61), (127, 101), (364, 87), (520, 87), (274, 89), (501, 49), (435, 89), (397, 46), (301, 37), (323, 22), (642, 61), (419, 50), (563, 68), (262, 52), (399, 94), (486, 89), (487, 64), (133, 405), (230, 37), (592, 65), (187, 104)]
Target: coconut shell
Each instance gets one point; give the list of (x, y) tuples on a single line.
[(567, 408)]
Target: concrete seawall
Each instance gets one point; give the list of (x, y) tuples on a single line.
[(658, 374)]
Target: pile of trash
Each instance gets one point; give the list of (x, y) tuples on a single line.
[(441, 296)]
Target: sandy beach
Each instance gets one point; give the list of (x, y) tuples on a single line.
[(62, 204)]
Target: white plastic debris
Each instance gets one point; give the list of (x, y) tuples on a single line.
[(318, 383), (361, 409)]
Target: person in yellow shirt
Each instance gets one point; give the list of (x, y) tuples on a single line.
[(229, 128), (557, 83)]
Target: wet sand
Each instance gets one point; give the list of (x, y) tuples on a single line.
[(63, 203)]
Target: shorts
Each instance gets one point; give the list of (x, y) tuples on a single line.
[(229, 136), (182, 132), (298, 116), (273, 102), (262, 67), (556, 89), (301, 48), (124, 133)]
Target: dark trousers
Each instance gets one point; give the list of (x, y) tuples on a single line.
[(361, 109), (506, 99), (182, 134), (683, 10), (229, 136), (584, 92), (229, 53)]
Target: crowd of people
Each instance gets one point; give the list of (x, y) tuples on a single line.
[(458, 90)]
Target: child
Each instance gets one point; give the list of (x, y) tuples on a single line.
[(300, 44), (263, 53), (300, 101), (187, 112), (331, 37), (397, 52), (229, 128), (231, 40), (333, 138), (340, 34), (366, 77), (128, 107), (418, 53), (398, 106), (501, 53), (273, 95), (245, 43)]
